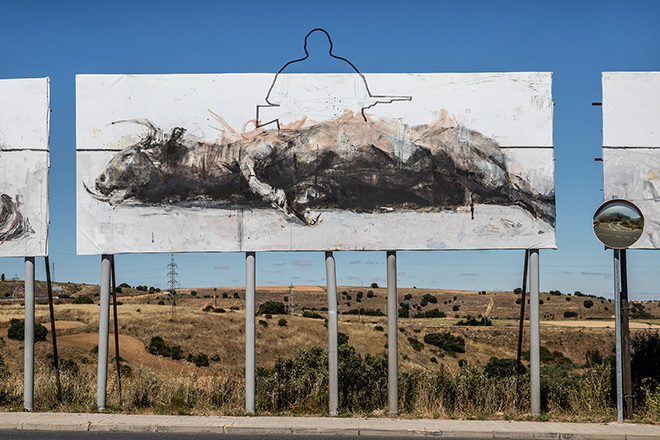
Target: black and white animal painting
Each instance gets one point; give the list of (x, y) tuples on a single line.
[(347, 164)]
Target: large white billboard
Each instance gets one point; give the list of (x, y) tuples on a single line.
[(303, 162), (24, 163), (631, 146)]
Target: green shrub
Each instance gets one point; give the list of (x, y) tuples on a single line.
[(446, 341), (282, 322), (263, 323), (313, 315), (456, 308), (379, 328), (593, 358), (176, 352), (342, 338), (645, 352), (219, 310), (364, 312), (415, 344), (502, 367), (158, 347), (472, 321), (433, 313), (370, 293), (83, 300), (17, 330), (430, 298), (588, 303), (201, 360), (570, 314), (272, 308)]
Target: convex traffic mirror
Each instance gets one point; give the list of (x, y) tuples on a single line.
[(618, 224)]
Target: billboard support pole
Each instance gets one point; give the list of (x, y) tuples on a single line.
[(625, 340), (250, 293), (333, 363), (392, 343), (104, 333), (617, 325), (521, 322), (51, 310), (28, 359), (534, 334)]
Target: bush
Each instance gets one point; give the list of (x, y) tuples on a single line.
[(224, 295), (517, 291), (364, 312), (456, 308), (593, 358), (219, 310), (342, 338), (193, 293), (502, 367), (17, 330), (263, 323), (446, 341), (379, 328), (201, 360), (83, 300), (374, 285), (430, 298), (645, 352), (176, 352), (313, 315), (282, 322), (272, 308), (370, 293), (472, 321), (570, 314), (415, 344), (158, 347), (236, 295), (161, 303), (588, 303), (433, 313)]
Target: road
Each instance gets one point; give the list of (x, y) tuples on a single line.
[(68, 435)]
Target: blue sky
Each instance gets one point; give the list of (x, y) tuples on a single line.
[(575, 40)]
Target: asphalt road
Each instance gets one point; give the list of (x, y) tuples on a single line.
[(69, 435)]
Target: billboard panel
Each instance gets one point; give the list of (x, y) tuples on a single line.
[(24, 163), (255, 162), (631, 146)]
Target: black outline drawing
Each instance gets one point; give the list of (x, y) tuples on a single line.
[(378, 99)]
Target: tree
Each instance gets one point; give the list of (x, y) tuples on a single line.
[(2, 277), (374, 285)]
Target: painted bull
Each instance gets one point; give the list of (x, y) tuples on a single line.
[(348, 164)]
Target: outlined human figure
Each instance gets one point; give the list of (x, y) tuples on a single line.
[(318, 98)]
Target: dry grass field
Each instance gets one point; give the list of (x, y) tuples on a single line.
[(220, 335)]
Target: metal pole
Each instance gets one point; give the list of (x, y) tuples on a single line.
[(104, 333), (534, 333), (333, 362), (392, 342), (250, 293), (51, 309), (617, 336), (522, 320), (114, 308), (28, 360), (625, 340)]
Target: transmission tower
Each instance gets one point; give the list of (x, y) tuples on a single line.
[(173, 283)]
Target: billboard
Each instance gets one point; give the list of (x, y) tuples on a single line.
[(306, 162), (631, 146), (24, 163)]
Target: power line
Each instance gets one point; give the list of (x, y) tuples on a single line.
[(173, 283)]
